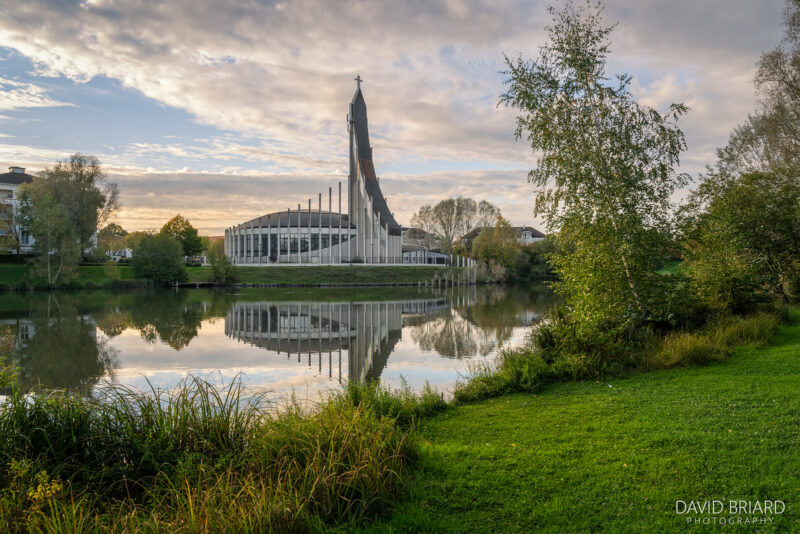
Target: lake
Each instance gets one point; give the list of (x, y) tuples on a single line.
[(294, 340)]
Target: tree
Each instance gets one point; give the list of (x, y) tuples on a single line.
[(134, 239), (86, 196), (497, 244), (453, 217), (158, 257), (487, 214), (180, 229), (222, 271), (606, 170), (111, 239), (424, 220), (770, 138), (746, 239), (53, 231)]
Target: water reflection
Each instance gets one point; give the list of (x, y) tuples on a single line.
[(367, 331), (74, 340), (58, 346)]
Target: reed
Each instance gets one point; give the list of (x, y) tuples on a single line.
[(199, 458)]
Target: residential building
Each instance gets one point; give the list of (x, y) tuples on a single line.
[(14, 239)]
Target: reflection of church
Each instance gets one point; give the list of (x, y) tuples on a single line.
[(318, 332)]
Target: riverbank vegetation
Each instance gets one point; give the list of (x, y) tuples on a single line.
[(614, 455), (198, 459), (112, 275), (616, 225)]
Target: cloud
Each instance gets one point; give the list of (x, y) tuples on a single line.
[(21, 95), (213, 201), (276, 76)]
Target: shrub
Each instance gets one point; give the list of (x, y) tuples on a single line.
[(159, 258)]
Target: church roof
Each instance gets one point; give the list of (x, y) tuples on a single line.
[(358, 114), (283, 219)]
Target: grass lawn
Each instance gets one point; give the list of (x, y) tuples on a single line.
[(614, 456), (12, 274), (328, 274)]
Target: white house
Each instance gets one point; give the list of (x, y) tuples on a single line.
[(13, 237), (527, 235)]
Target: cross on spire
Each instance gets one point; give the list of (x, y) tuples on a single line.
[(358, 82)]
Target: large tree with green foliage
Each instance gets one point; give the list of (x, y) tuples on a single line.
[(158, 257), (743, 237), (86, 196), (605, 173), (498, 244), (53, 232), (180, 229)]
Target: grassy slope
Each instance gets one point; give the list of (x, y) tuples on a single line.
[(588, 457), (327, 274), (12, 275)]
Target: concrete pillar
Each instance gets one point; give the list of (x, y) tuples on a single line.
[(299, 254), (252, 243), (269, 237), (378, 221), (341, 246)]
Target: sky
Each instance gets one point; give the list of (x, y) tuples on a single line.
[(224, 111)]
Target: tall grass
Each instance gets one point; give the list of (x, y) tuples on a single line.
[(202, 459), (715, 341), (552, 353)]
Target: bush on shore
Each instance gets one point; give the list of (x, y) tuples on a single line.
[(201, 459), (555, 351)]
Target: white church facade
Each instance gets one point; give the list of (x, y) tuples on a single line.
[(367, 233)]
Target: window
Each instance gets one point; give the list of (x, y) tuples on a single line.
[(6, 194)]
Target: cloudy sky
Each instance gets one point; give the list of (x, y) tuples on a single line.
[(222, 111)]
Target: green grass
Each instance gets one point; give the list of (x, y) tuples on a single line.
[(614, 456), (12, 274), (91, 276), (330, 274)]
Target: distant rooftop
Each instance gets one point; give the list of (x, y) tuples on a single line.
[(15, 176)]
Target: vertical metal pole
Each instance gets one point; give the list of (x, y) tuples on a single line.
[(309, 236), (330, 225), (319, 230)]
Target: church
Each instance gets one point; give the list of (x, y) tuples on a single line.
[(367, 233)]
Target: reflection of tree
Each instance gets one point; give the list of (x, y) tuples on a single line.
[(59, 346), (450, 335), (172, 317), (169, 318), (488, 321)]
